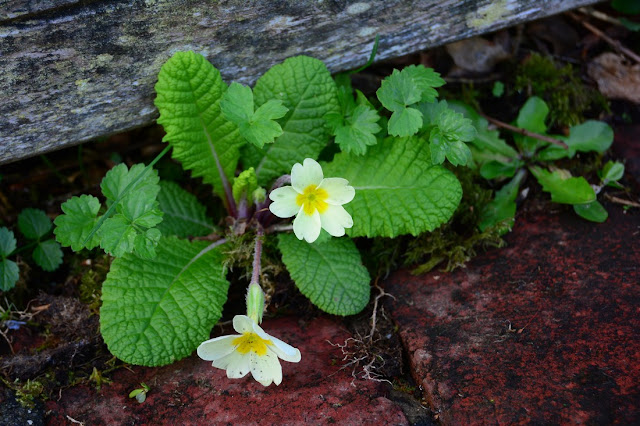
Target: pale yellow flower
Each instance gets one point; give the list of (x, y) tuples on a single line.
[(316, 202)]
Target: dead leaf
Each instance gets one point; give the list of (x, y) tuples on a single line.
[(615, 77)]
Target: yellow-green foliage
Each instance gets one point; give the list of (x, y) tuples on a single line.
[(561, 87)]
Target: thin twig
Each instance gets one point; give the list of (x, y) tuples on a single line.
[(614, 43), (279, 227), (621, 201), (598, 15), (257, 254), (525, 132)]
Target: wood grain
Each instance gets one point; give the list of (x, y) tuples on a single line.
[(72, 71)]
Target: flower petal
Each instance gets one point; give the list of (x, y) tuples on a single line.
[(266, 368), (334, 219), (307, 226), (236, 364), (284, 202), (280, 348), (305, 174), (285, 351), (216, 348), (243, 324), (339, 190)]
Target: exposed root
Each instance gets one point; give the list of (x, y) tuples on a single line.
[(362, 353)]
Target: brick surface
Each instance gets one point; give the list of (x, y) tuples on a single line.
[(544, 331), (191, 392)]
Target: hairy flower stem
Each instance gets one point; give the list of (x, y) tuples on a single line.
[(257, 256), (255, 294)]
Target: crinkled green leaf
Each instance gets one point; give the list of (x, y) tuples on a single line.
[(503, 206), (7, 242), (305, 87), (158, 311), (593, 211), (74, 226), (398, 189), (48, 255), (258, 127), (34, 223), (564, 188), (357, 131), (184, 215), (189, 91), (245, 184), (9, 274), (330, 274)]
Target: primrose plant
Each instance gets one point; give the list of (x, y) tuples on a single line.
[(299, 145)]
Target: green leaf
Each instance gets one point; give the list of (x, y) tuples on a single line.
[(184, 216), (256, 127), (34, 223), (485, 139), (398, 189), (158, 311), (396, 93), (593, 211), (305, 87), (48, 255), (245, 184), (503, 206), (189, 91), (137, 209), (630, 25), (498, 89), (586, 137), (426, 79), (564, 188), (448, 136), (630, 7), (74, 226), (330, 274), (612, 172), (495, 169), (532, 117), (7, 242), (9, 274), (358, 130)]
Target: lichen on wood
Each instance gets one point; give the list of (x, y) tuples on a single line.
[(72, 71)]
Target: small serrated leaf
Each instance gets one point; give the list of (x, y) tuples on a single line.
[(34, 223), (159, 311), (398, 189), (74, 226), (503, 206), (256, 127), (9, 274), (184, 216), (358, 131), (330, 274), (48, 255), (7, 242), (396, 93)]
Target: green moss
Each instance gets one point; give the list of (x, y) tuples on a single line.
[(561, 87), (26, 393)]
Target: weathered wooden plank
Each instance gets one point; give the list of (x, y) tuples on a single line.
[(72, 70)]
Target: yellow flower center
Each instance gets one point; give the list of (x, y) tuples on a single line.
[(251, 342), (312, 199)]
